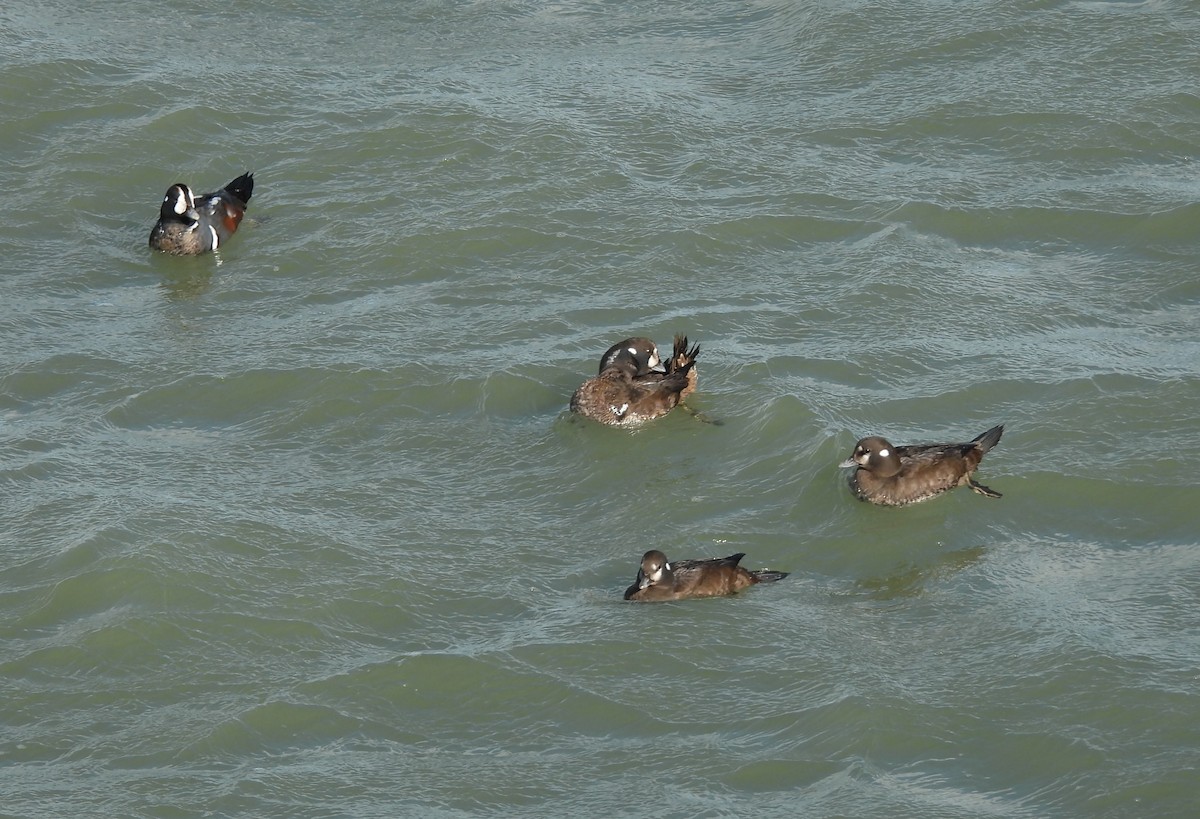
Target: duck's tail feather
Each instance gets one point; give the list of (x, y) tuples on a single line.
[(990, 438), (681, 355), (242, 187)]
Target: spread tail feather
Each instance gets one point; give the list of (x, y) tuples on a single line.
[(990, 438), (242, 187), (681, 354)]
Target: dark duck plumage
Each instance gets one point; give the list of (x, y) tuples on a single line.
[(189, 225), (659, 580), (681, 358), (633, 385), (897, 475)]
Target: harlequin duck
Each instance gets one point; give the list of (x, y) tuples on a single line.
[(189, 225), (659, 580), (633, 385), (898, 475)]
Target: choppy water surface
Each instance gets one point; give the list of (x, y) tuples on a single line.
[(305, 531)]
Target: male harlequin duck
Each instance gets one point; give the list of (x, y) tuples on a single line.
[(898, 475), (189, 225), (659, 580), (633, 385)]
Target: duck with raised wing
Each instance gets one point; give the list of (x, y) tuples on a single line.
[(633, 385)]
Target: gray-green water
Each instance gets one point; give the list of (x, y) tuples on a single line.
[(304, 531)]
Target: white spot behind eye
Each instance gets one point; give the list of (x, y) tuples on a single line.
[(883, 453), (631, 350)]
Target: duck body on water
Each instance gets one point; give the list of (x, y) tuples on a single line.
[(634, 386), (889, 475), (189, 225), (659, 580)]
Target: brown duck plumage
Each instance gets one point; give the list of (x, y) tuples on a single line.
[(659, 580), (898, 475), (633, 386)]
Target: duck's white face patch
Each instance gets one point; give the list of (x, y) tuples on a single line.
[(654, 359), (183, 201)]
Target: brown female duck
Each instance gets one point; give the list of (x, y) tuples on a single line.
[(659, 580), (633, 385), (898, 475)]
